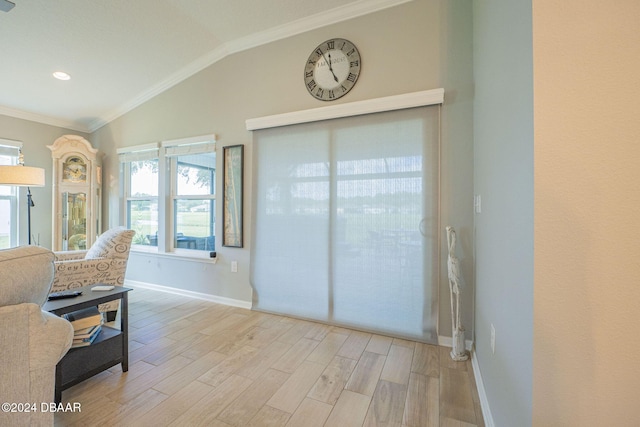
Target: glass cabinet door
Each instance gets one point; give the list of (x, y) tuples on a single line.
[(74, 221)]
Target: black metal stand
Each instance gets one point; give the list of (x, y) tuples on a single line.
[(30, 204)]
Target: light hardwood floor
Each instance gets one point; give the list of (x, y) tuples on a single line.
[(193, 362)]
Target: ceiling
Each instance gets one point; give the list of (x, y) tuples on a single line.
[(120, 53)]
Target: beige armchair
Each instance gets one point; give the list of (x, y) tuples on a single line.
[(33, 341), (105, 262)]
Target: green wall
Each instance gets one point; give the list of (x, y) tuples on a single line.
[(503, 177)]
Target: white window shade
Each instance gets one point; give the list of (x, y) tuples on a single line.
[(138, 153), (9, 147), (346, 221), (183, 150)]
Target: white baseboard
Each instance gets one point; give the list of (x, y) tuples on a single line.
[(448, 342), (198, 295), (484, 402), (482, 395)]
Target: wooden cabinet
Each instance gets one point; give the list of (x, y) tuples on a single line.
[(77, 193)]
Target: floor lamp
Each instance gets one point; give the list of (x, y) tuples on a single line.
[(23, 176)]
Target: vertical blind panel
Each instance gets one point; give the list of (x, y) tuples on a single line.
[(346, 221), (292, 229)]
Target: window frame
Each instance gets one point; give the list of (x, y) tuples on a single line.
[(171, 151), (128, 197), (167, 154), (11, 149)]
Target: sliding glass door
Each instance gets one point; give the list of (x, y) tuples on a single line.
[(346, 221)]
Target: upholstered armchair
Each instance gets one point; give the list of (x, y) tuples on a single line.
[(105, 262), (33, 341)]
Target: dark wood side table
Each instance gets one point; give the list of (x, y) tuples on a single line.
[(110, 347)]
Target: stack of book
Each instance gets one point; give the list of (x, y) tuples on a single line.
[(87, 324)]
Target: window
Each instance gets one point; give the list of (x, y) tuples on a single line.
[(139, 170), (193, 171), (169, 194), (9, 151), (142, 201)]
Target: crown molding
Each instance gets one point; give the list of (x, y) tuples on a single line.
[(319, 20), (313, 22), (181, 75), (40, 118)]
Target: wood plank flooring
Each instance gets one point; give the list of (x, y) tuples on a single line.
[(194, 363)]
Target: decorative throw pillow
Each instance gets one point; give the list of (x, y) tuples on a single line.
[(111, 244)]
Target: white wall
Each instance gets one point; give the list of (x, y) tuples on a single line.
[(423, 44), (503, 166), (587, 210)]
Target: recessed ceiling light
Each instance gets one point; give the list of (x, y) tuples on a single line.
[(61, 75)]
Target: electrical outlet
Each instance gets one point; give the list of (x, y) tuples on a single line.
[(234, 266), (493, 339)]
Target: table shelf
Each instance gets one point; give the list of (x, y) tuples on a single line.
[(111, 346)]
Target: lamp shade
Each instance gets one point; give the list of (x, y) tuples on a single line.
[(24, 176)]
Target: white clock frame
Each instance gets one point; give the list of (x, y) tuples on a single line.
[(63, 149)]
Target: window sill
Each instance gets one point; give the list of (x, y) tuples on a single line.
[(201, 256)]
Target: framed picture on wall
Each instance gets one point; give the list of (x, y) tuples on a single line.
[(233, 164)]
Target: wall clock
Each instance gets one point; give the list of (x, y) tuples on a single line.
[(332, 69)]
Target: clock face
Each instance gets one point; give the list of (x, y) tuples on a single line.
[(332, 69), (74, 170)]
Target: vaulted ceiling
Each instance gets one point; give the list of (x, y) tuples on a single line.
[(120, 53)]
